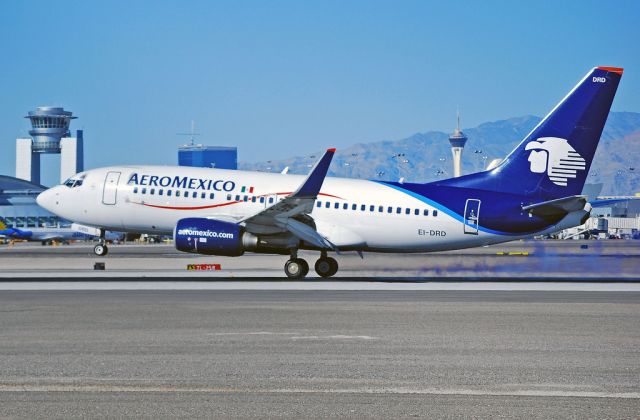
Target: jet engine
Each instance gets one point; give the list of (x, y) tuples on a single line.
[(215, 237)]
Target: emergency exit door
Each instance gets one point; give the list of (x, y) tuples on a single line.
[(472, 216), (110, 190)]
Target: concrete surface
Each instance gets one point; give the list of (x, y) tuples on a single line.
[(601, 260), (310, 354)]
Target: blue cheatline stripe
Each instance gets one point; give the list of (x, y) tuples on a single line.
[(447, 210)]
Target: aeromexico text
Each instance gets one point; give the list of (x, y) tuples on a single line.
[(181, 182)]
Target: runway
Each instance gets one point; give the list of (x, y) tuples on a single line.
[(379, 354), (526, 329), (519, 260)]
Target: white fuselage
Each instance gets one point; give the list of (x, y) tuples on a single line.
[(352, 214)]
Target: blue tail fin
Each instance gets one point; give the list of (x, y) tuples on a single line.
[(554, 159)]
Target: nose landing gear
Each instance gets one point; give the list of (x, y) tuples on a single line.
[(101, 248)]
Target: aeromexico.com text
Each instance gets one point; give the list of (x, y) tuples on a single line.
[(181, 182), (206, 233)]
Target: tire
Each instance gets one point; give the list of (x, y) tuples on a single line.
[(100, 250), (305, 267), (334, 266), (296, 268), (323, 267)]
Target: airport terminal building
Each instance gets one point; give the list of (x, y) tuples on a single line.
[(19, 208)]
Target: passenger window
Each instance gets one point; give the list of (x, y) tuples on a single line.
[(270, 200), (354, 206), (160, 192), (426, 212), (152, 191), (178, 193), (262, 199), (399, 210), (345, 206), (186, 194), (203, 195), (194, 195), (237, 198), (327, 204), (363, 207), (407, 211), (135, 190), (253, 199), (416, 212), (144, 191), (245, 198), (372, 208), (228, 197), (319, 204), (336, 206), (211, 196), (389, 209), (168, 193), (435, 213), (380, 209)]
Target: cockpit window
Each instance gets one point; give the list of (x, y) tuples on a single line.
[(73, 182)]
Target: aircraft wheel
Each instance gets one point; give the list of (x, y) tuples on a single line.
[(296, 268), (326, 267), (334, 266), (100, 250)]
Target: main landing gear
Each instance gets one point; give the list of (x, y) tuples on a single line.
[(297, 268), (101, 248)]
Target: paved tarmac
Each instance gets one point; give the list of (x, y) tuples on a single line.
[(310, 354), (551, 260)]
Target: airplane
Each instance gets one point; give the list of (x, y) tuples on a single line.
[(47, 235), (535, 190)]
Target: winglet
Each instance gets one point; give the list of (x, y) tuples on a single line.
[(311, 186)]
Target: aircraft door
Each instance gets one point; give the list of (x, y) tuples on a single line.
[(110, 189), (471, 216)]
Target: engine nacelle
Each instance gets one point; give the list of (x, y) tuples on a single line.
[(209, 237)]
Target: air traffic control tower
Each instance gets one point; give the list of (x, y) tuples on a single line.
[(457, 140), (49, 135)]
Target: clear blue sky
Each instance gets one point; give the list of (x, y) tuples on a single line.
[(279, 78)]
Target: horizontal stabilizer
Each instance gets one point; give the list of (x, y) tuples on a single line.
[(557, 207), (606, 202)]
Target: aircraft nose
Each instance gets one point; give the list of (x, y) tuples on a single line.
[(48, 199)]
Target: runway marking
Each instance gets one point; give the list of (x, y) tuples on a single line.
[(335, 337), (254, 333), (297, 336), (123, 388)]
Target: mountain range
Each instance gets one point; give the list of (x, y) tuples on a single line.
[(425, 157)]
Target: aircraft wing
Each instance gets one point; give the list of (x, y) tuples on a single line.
[(557, 207), (291, 214)]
